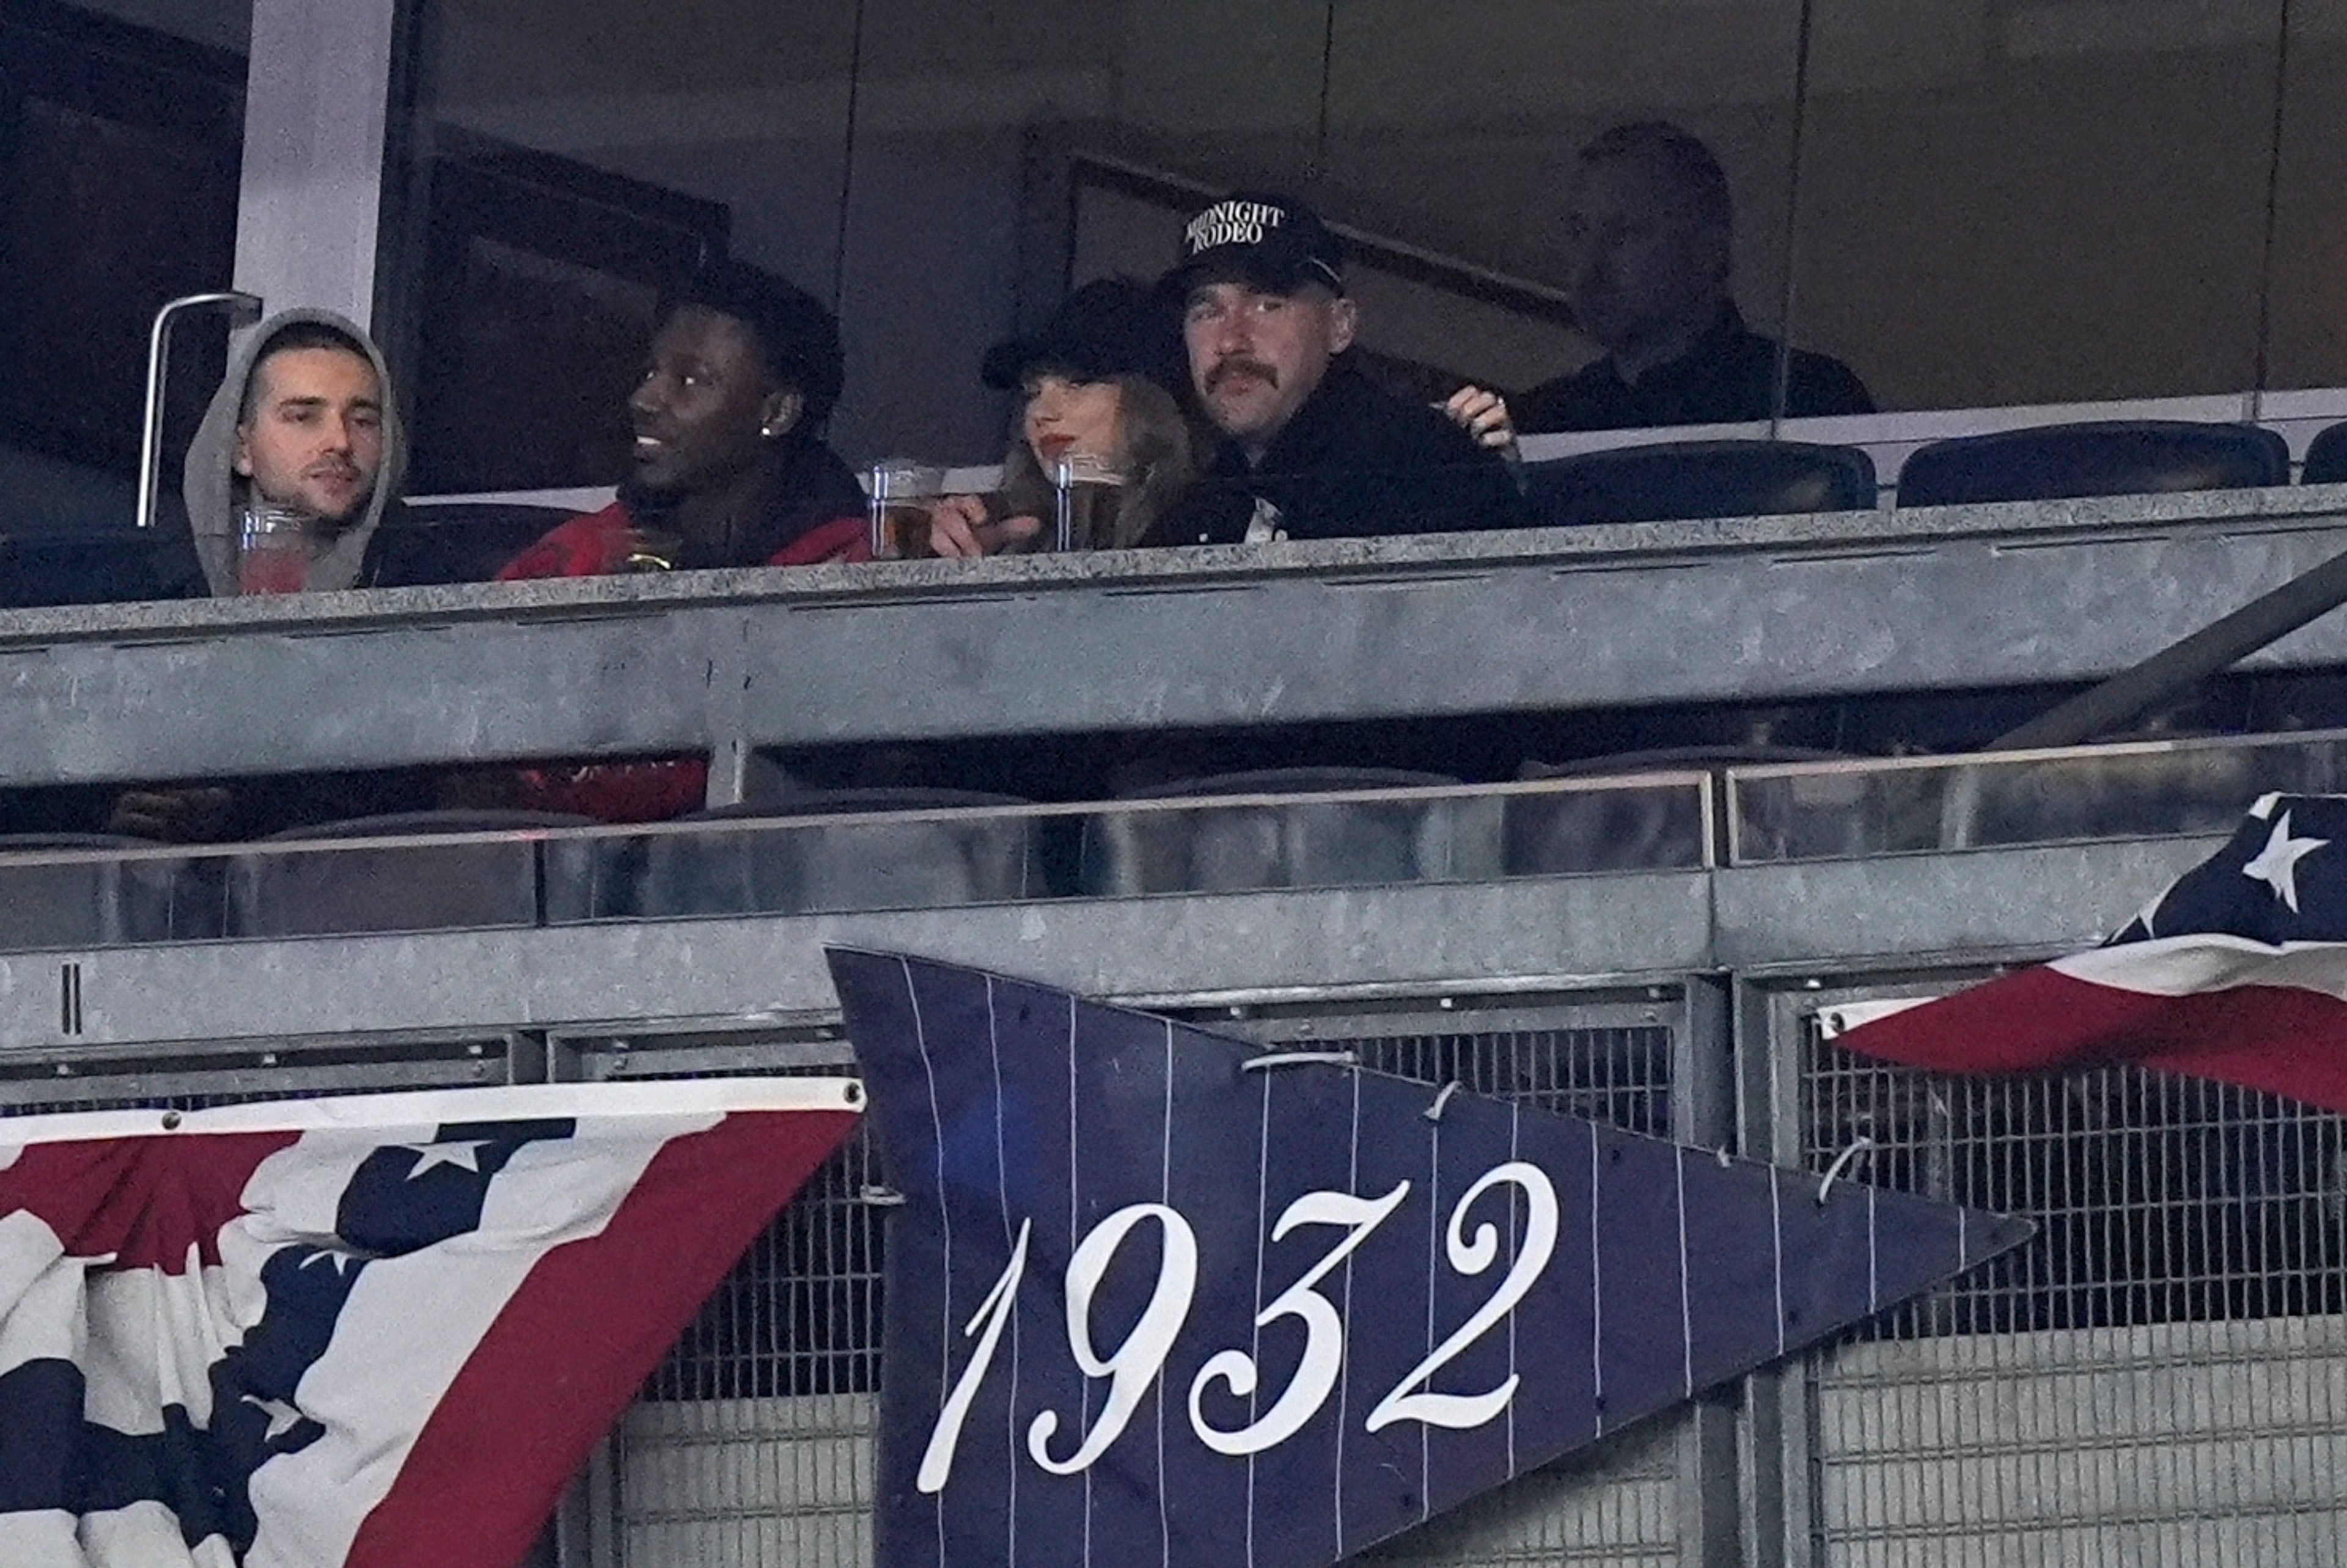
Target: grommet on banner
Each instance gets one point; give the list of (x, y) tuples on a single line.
[(882, 1197), (1434, 1111), (1857, 1146), (1299, 1059)]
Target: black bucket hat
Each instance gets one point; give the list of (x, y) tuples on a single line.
[(1111, 326)]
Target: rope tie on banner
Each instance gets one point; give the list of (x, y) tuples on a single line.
[(1434, 1111), (882, 1197), (1859, 1145), (1301, 1058)]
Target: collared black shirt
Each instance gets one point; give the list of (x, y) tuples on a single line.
[(1353, 461), (1728, 376)]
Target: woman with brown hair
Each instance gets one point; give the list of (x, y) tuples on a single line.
[(1100, 382)]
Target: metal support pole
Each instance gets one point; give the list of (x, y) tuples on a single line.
[(316, 110), (2221, 643), (243, 311), (1703, 1112)]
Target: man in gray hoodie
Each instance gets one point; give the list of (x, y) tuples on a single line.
[(302, 420)]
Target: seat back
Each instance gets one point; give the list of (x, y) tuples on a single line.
[(1682, 479), (517, 881), (81, 567), (2113, 457), (803, 865), (1315, 844), (2326, 456), (458, 541)]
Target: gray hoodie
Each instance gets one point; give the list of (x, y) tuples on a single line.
[(211, 484)]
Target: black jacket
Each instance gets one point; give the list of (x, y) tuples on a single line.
[(1354, 461), (1727, 377)]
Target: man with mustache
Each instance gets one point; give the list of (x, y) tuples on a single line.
[(1310, 447)]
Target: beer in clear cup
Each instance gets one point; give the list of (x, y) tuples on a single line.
[(272, 554), (1087, 490), (901, 491)]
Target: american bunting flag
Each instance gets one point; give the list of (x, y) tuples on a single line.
[(375, 1331), (2237, 972)]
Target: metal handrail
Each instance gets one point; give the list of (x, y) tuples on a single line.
[(783, 818), (243, 311)]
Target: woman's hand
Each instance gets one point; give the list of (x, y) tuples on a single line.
[(1484, 417), (958, 527)]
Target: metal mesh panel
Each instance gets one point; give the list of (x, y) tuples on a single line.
[(751, 1446), (1616, 1504), (43, 1085), (799, 1313), (1620, 1076), (2159, 1377)]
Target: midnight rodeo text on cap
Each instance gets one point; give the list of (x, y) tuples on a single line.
[(1231, 223)]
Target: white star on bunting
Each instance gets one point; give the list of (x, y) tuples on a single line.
[(2276, 865), (283, 1417), (464, 1156)]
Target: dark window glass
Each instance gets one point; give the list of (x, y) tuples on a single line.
[(119, 140), (2037, 200)]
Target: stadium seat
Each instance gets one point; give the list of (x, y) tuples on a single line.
[(97, 903), (2114, 457), (1699, 479), (803, 865), (459, 541), (1321, 845), (2326, 457), (280, 892), (120, 566)]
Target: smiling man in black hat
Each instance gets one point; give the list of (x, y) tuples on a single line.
[(1309, 448)]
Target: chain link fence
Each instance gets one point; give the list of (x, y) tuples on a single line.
[(2158, 1378)]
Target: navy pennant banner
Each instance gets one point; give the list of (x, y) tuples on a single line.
[(1158, 1297)]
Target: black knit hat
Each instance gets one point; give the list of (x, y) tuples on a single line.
[(1111, 326), (797, 336)]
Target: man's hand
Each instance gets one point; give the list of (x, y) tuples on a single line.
[(958, 528), (192, 813), (1484, 417)]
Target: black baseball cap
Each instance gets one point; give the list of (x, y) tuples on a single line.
[(1111, 326), (1274, 242)]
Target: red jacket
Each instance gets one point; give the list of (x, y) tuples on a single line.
[(595, 544)]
